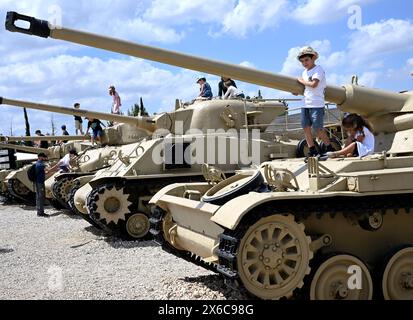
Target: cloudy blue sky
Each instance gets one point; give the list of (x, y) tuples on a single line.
[(258, 33)]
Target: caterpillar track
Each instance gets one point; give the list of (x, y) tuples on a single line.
[(20, 192), (359, 210), (156, 230), (130, 194)]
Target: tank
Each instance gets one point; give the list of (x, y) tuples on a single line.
[(336, 229), (116, 197), (90, 159), (15, 184)]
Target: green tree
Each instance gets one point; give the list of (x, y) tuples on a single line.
[(27, 123), (138, 110)]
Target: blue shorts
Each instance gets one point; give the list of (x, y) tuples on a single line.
[(97, 133), (312, 117)]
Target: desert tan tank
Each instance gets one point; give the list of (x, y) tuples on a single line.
[(118, 197), (18, 186), (289, 228), (90, 159)]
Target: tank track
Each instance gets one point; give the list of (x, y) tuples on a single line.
[(28, 200), (135, 189), (72, 206), (56, 192), (229, 241), (361, 207), (157, 232)]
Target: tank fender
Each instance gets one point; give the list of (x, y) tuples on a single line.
[(230, 214)]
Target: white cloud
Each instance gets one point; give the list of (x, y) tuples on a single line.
[(186, 11), (64, 79), (314, 12), (255, 15), (380, 39)]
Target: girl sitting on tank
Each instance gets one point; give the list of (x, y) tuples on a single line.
[(361, 139)]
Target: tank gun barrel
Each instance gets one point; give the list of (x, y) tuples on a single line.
[(44, 29), (24, 148), (43, 138), (146, 123), (350, 98)]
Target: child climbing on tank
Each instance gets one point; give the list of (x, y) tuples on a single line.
[(361, 139)]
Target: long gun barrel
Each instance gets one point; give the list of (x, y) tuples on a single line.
[(350, 98), (43, 138), (24, 148), (142, 122)]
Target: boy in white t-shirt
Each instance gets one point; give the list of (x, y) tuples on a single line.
[(312, 114)]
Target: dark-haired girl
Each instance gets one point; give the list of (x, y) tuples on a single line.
[(361, 138)]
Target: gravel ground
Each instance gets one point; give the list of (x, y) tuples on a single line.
[(63, 257)]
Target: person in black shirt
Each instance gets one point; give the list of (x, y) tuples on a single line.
[(64, 133), (78, 121), (96, 126), (42, 144), (222, 89)]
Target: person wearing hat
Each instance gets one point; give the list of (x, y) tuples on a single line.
[(64, 163), (312, 114), (40, 174), (116, 104), (205, 89)]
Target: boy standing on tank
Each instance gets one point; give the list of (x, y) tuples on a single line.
[(78, 121), (312, 114)]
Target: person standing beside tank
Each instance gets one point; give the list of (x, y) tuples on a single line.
[(222, 89), (116, 104), (232, 92), (205, 89), (96, 126), (78, 121), (312, 114), (40, 178)]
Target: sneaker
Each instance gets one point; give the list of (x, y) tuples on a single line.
[(313, 153), (43, 215), (330, 148)]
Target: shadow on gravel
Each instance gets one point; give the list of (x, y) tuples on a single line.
[(117, 243), (215, 282)]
